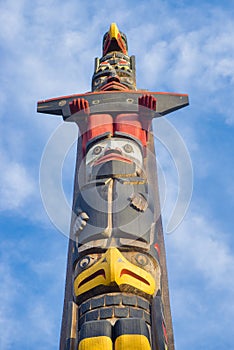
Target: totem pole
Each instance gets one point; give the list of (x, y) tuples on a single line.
[(116, 293)]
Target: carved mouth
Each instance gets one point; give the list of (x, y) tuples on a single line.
[(112, 156), (132, 274), (114, 85), (94, 275)]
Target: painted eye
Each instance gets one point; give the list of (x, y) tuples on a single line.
[(141, 259), (128, 148), (97, 82), (97, 150), (130, 81), (84, 262)]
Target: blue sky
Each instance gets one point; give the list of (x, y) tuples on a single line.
[(47, 49)]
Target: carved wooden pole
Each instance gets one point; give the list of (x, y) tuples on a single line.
[(116, 294)]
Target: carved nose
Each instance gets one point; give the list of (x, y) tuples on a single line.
[(112, 150), (114, 78)]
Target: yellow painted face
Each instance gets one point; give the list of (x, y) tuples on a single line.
[(113, 267)]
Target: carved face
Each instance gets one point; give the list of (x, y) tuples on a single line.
[(119, 149), (127, 269), (113, 80), (114, 71)]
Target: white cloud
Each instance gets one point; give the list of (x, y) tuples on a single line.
[(11, 20), (199, 243), (43, 330), (8, 292), (195, 57), (17, 185), (201, 269), (31, 304)]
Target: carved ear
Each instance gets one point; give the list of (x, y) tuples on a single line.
[(96, 64), (133, 66)]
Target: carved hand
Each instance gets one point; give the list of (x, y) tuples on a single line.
[(138, 201), (147, 103), (79, 104), (80, 222)]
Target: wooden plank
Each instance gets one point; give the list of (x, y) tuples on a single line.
[(113, 102)]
